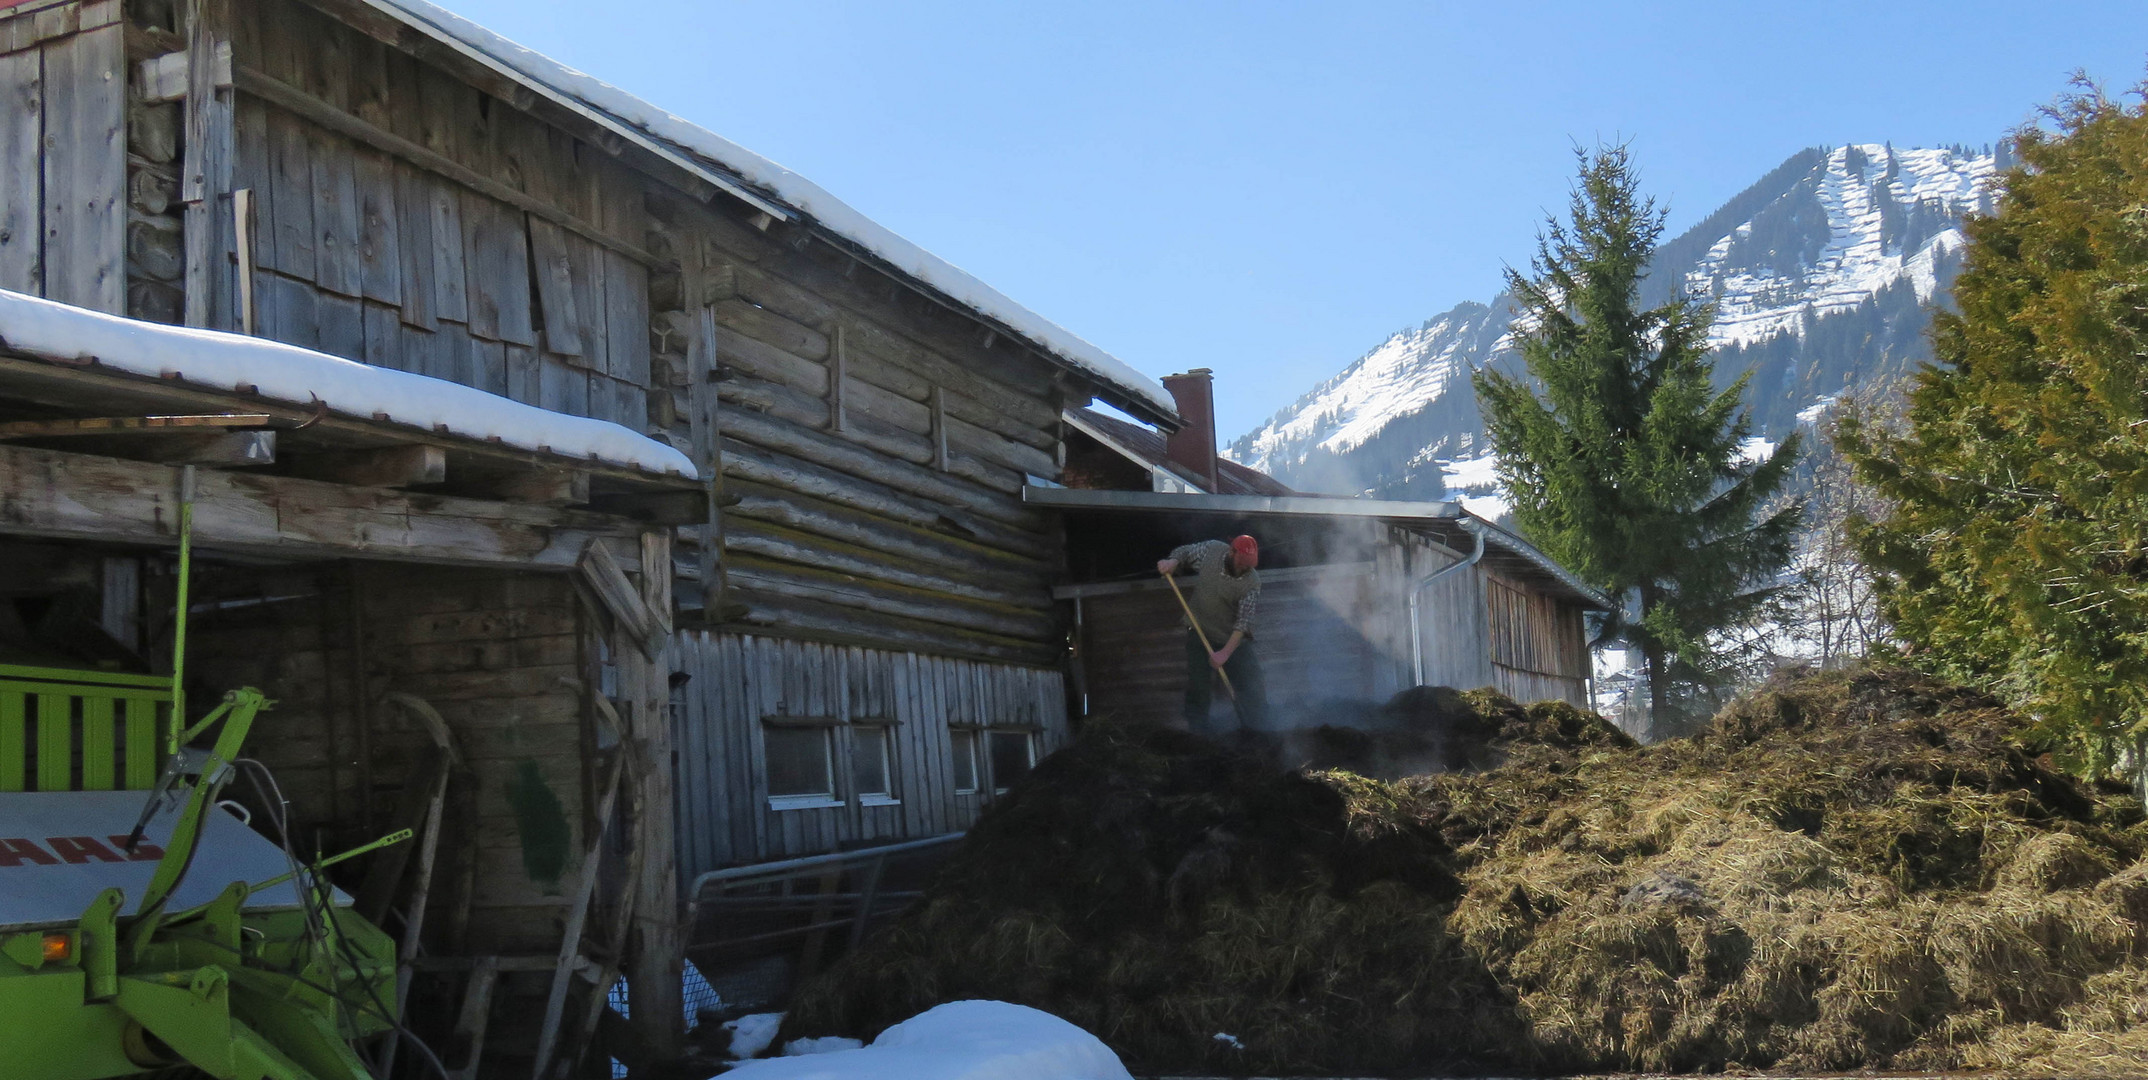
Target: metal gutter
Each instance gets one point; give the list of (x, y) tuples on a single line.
[(1417, 595), (1199, 503)]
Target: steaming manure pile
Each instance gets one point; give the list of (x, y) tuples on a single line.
[(1852, 870)]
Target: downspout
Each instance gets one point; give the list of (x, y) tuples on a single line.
[(1417, 595)]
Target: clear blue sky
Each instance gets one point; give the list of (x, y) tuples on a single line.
[(1270, 189)]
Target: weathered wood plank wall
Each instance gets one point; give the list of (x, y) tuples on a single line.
[(723, 807), (410, 220), (1538, 647), (64, 153), (503, 658)]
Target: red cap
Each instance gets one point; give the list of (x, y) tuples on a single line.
[(1246, 548)]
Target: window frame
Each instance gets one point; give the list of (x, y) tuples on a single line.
[(1029, 747), (956, 733), (830, 799), (884, 729)]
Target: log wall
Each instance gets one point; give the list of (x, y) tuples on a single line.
[(724, 813), (877, 444)]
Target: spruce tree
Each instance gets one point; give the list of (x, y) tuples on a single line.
[(2015, 547), (1622, 457)]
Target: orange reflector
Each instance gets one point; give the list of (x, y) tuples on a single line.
[(58, 947)]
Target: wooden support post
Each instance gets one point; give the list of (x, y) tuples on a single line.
[(476, 1016), (656, 955), (838, 371), (242, 219), (939, 428), (205, 174), (570, 944)]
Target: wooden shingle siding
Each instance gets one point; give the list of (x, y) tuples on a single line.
[(738, 680)]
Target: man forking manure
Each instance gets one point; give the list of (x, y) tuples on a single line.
[(1219, 604)]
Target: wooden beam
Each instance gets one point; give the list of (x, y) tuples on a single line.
[(619, 596), (286, 96), (541, 487), (677, 507), (221, 448), (65, 496), (108, 425), (161, 78), (387, 466)]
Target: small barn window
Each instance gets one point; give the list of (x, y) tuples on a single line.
[(801, 763), (964, 743), (1013, 753), (872, 762)]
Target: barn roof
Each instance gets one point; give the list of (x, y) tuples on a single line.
[(1149, 447), (782, 194)]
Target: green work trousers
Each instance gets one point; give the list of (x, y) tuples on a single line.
[(1244, 669)]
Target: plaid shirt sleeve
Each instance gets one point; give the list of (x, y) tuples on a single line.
[(1246, 606), (1195, 556)]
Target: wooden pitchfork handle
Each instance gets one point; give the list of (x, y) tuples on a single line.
[(1228, 689)]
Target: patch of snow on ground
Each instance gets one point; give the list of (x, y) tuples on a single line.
[(1812, 413), (1755, 449), (751, 1034), (962, 1040), (1474, 474), (225, 362), (1474, 482), (1855, 263), (820, 1044)]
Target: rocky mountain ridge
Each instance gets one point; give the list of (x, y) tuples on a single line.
[(1822, 274)]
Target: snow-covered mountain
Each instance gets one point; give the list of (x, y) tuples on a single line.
[(1821, 272)]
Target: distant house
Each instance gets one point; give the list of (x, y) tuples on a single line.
[(1336, 625)]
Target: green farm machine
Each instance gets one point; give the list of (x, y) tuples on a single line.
[(144, 927)]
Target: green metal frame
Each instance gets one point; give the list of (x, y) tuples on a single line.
[(119, 727), (261, 995)]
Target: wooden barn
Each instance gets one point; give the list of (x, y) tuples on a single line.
[(1338, 629), (727, 559)]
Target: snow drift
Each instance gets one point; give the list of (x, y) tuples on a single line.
[(962, 1040)]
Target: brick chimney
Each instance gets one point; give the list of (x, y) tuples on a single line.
[(1193, 445)]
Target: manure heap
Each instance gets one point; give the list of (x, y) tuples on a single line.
[(1844, 871)]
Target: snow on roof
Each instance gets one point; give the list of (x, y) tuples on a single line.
[(680, 137), (221, 361)]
